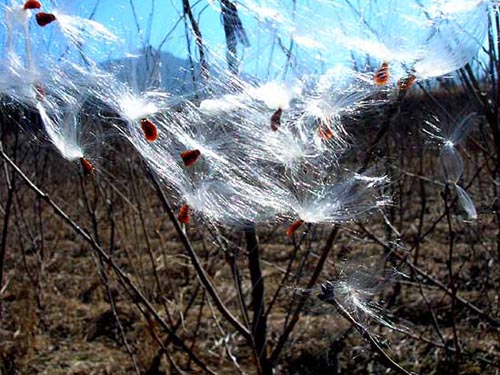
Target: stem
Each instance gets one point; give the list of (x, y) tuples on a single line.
[(199, 39), (259, 321), (452, 284), (11, 183)]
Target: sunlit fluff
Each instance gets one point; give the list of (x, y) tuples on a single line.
[(457, 35), (448, 133), (63, 130), (158, 156), (60, 98), (272, 95), (213, 137), (287, 147), (133, 108), (127, 104), (338, 93), (355, 290), (17, 16), (425, 40), (17, 81), (466, 203), (219, 202), (78, 30), (275, 95), (339, 202)]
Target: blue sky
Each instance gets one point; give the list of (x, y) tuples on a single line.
[(316, 30), (269, 25), (319, 33)]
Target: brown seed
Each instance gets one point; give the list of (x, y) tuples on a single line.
[(276, 119), (87, 166), (406, 82), (189, 157), (32, 4), (292, 228), (150, 130), (324, 132), (382, 75), (43, 19), (184, 215)]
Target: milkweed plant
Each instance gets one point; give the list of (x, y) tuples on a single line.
[(260, 133)]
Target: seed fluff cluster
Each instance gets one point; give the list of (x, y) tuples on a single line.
[(242, 149)]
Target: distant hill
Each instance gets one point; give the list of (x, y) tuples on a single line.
[(153, 68)]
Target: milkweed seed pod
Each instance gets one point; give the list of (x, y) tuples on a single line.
[(452, 165), (466, 204)]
